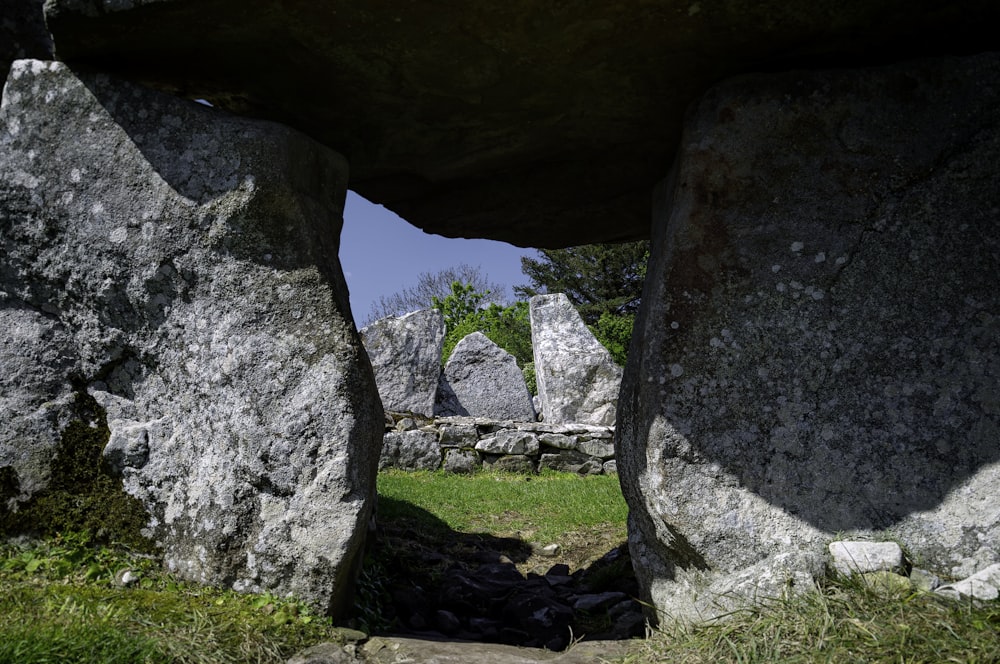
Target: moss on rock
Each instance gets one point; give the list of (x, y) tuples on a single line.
[(83, 494)]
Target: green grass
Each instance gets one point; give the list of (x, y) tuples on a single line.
[(845, 620), (536, 508), (59, 603)]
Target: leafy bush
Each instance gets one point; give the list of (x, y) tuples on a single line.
[(614, 331)]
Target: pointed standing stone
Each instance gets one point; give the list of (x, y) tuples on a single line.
[(483, 380), (405, 353), (179, 264), (577, 379)]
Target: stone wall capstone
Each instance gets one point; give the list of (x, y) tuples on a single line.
[(179, 264), (577, 379), (405, 353), (819, 345)]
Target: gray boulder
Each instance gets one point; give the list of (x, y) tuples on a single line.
[(180, 265), (577, 379), (411, 450), (819, 347), (509, 441), (481, 379), (405, 353)]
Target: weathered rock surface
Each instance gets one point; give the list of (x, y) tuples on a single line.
[(863, 557), (481, 379), (577, 379), (405, 353), (525, 122), (411, 450), (180, 265), (984, 585), (819, 345)]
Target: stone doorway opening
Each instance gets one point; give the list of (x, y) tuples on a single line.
[(494, 571)]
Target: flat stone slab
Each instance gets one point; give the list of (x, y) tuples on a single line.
[(863, 557)]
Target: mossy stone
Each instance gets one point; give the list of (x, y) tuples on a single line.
[(83, 494)]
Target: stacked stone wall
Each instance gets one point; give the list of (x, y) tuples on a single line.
[(468, 444)]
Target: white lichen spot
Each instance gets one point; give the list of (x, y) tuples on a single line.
[(267, 257), (820, 257), (75, 175), (676, 370), (841, 260), (66, 198), (674, 325), (817, 294), (97, 209), (715, 342), (13, 126), (796, 285), (780, 287), (797, 246), (776, 268)]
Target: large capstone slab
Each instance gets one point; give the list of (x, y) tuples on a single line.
[(820, 342), (537, 123), (181, 264), (405, 353), (577, 378)]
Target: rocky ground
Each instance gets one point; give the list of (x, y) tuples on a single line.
[(478, 587)]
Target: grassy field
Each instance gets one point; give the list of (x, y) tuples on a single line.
[(538, 509), (59, 601)]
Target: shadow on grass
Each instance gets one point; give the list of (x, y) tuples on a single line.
[(413, 531), (421, 577)]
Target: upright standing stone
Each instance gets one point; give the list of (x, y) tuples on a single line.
[(481, 379), (180, 265), (819, 345), (405, 353), (577, 379)]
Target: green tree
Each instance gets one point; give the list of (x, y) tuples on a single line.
[(436, 284), (463, 301), (597, 278), (614, 331), (603, 281)]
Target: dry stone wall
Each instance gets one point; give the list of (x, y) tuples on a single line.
[(466, 444)]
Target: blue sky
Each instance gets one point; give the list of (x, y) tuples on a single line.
[(381, 254)]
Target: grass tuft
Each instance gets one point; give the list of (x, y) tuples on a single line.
[(845, 620)]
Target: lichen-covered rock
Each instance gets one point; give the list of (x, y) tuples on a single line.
[(180, 265), (405, 353), (819, 347), (412, 450), (571, 461), (577, 379), (481, 379), (509, 441)]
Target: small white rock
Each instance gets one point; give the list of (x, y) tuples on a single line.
[(861, 557), (983, 585)]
